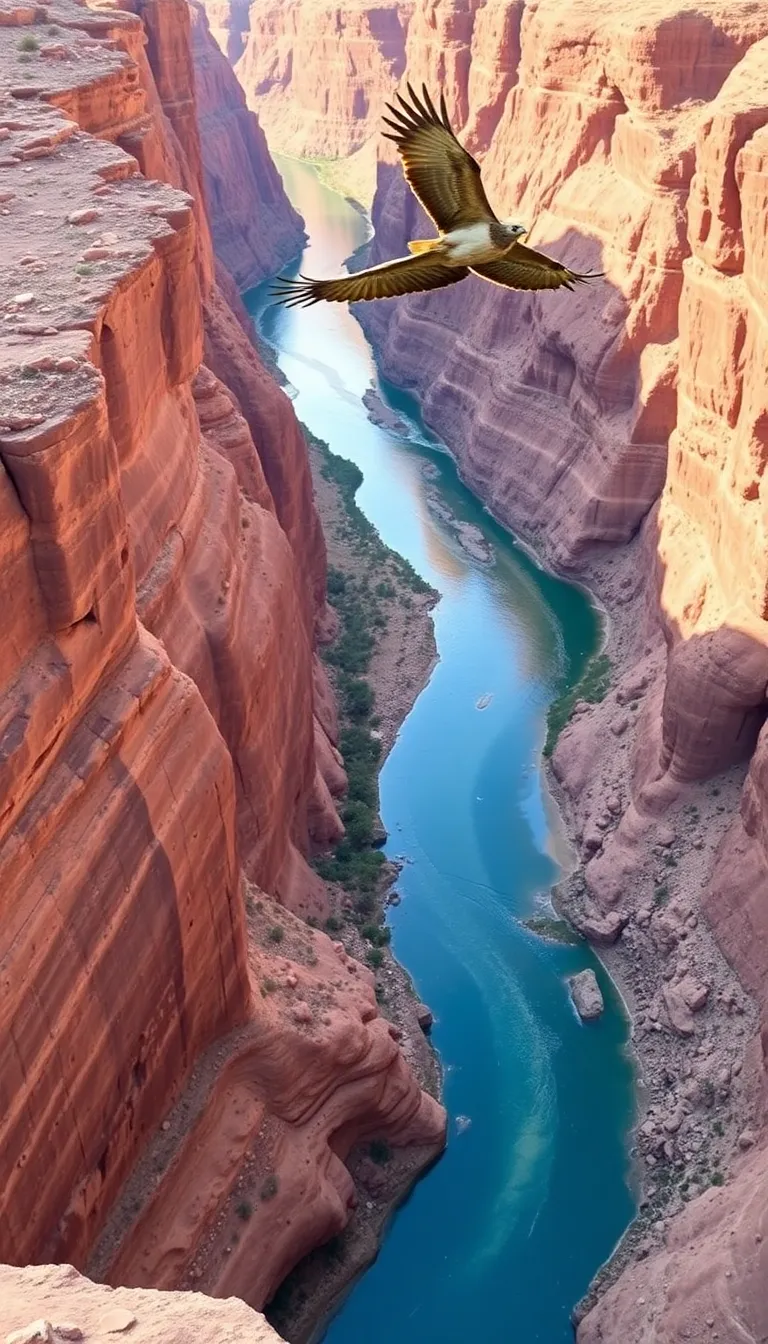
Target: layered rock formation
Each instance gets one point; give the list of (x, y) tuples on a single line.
[(559, 407), (165, 581), (255, 229), (316, 75)]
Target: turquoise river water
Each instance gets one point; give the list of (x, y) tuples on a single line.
[(503, 1235)]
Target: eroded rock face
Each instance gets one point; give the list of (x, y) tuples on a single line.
[(255, 229), (559, 407), (316, 75), (165, 576)]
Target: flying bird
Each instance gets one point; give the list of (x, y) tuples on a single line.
[(447, 182)]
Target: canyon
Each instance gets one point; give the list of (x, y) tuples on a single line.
[(169, 755), (622, 430)]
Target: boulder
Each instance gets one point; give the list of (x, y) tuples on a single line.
[(585, 992), (602, 930)]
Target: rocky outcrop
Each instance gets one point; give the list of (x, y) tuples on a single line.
[(255, 229), (586, 995), (166, 575), (58, 1295)]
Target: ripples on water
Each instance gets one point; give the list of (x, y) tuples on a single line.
[(505, 1233)]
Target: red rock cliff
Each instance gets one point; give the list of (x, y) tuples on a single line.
[(164, 571), (255, 229), (317, 75)]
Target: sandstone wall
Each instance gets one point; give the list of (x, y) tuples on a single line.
[(255, 229), (316, 75), (165, 578)]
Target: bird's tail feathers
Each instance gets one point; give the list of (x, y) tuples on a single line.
[(424, 244)]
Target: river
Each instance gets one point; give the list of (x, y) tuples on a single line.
[(502, 1237)]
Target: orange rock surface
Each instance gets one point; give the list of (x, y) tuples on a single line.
[(58, 1294), (316, 75), (165, 572)]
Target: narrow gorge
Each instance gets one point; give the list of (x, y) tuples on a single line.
[(191, 1068), (623, 432)]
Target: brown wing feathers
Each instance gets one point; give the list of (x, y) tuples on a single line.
[(524, 268), (406, 275), (440, 172)]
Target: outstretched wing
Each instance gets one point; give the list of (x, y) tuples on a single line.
[(444, 176), (522, 268), (406, 275)]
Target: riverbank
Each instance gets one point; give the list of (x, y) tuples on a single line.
[(380, 602), (691, 1020)]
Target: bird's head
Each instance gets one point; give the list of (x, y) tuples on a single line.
[(514, 231)]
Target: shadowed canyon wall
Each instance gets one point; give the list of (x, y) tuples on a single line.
[(160, 754), (631, 413)]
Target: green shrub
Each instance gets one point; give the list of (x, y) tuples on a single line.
[(333, 924), (717, 1178), (269, 1188), (375, 957), (379, 1152), (358, 698), (377, 934), (358, 821), (28, 43), (592, 687), (244, 1210), (276, 934)]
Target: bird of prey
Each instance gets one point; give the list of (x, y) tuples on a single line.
[(447, 182)]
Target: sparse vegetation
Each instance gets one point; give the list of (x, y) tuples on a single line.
[(661, 894), (377, 934), (379, 1152), (707, 1092), (555, 930), (276, 934), (269, 1188), (717, 1178), (375, 958), (269, 985), (28, 43), (592, 687), (244, 1210)]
